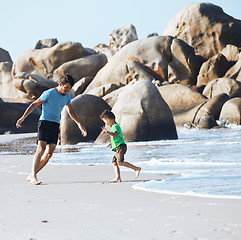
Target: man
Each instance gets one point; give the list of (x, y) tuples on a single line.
[(53, 101)]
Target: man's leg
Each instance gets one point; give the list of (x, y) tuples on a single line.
[(46, 156), (36, 161)]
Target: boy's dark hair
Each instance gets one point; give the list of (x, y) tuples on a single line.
[(67, 78), (107, 114)]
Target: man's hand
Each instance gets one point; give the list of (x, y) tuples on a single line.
[(83, 130), (75, 118), (30, 108), (19, 122)]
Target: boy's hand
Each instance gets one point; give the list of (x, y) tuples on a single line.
[(109, 145), (104, 130)]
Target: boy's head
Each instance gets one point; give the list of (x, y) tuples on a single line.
[(107, 117)]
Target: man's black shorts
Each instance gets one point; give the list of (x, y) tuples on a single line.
[(48, 131)]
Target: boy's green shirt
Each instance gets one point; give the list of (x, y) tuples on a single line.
[(118, 140)]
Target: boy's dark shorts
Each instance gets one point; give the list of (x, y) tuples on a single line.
[(120, 152), (48, 131)]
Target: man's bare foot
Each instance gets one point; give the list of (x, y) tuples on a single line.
[(116, 180), (138, 172), (29, 177), (34, 181)]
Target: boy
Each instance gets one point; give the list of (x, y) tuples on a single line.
[(53, 101), (118, 145)]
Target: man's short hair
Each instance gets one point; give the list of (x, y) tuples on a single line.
[(67, 78), (107, 114)]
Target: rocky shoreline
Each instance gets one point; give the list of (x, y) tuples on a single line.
[(188, 76)]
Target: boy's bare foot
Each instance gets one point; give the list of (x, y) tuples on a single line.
[(138, 172), (116, 181)]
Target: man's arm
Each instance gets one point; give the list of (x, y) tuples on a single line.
[(75, 118), (30, 108)]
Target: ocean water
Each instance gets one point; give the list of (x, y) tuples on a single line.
[(203, 163)]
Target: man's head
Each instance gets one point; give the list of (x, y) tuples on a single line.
[(108, 117), (66, 82), (67, 78)]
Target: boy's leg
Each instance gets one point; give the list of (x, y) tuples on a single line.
[(129, 165), (36, 161), (120, 152), (117, 172)]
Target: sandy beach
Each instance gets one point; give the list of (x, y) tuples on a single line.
[(162, 77), (77, 202)]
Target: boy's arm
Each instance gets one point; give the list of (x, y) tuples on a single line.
[(113, 134), (75, 118), (30, 108)]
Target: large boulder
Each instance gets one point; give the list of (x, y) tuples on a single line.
[(7, 90), (11, 112), (80, 86), (235, 71), (143, 114), (215, 67), (206, 28), (104, 90), (83, 67), (228, 86), (231, 53), (211, 107), (118, 39), (231, 111), (46, 43), (48, 64), (112, 97), (5, 56), (122, 36), (150, 59), (44, 61), (207, 122), (32, 84), (88, 109), (180, 98)]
